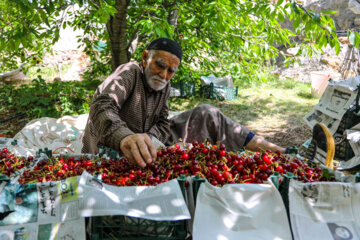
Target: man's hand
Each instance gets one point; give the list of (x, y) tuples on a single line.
[(139, 149)]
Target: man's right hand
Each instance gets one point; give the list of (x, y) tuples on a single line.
[(138, 148)]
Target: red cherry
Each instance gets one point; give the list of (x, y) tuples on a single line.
[(151, 179), (185, 156), (222, 153), (279, 169), (266, 159), (132, 177)]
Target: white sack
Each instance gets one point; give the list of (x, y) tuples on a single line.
[(59, 135)]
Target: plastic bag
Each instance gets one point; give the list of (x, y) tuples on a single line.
[(354, 6), (220, 82)]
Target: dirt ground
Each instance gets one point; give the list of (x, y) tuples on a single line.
[(292, 136)]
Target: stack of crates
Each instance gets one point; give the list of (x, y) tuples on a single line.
[(187, 89), (219, 93)]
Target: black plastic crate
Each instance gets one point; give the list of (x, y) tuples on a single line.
[(343, 150), (131, 228)]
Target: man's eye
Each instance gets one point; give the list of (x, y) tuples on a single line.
[(161, 65)]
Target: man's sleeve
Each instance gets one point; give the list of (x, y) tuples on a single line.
[(161, 129), (105, 108)]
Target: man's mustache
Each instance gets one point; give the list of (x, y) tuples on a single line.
[(159, 79)]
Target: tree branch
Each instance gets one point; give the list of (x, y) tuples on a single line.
[(308, 13)]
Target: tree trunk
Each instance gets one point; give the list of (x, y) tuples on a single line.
[(116, 28)]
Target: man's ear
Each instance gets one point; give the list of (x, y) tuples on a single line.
[(145, 58)]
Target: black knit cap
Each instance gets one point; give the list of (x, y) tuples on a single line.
[(166, 44)]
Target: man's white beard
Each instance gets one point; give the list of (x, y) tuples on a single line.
[(153, 80)]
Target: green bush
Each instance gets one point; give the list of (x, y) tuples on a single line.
[(42, 99)]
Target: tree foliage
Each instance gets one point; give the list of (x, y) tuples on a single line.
[(225, 36)]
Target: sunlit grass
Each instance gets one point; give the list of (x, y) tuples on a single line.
[(273, 104), (48, 72)]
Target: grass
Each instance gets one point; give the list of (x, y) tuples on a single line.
[(266, 108), (48, 72), (266, 103)]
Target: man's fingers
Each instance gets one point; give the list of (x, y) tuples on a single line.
[(144, 150), (127, 153), (139, 148), (136, 155), (151, 147)]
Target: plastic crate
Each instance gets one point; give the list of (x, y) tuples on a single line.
[(131, 228), (219, 93), (343, 150), (186, 89), (197, 181)]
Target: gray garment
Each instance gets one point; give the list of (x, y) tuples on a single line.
[(207, 122)]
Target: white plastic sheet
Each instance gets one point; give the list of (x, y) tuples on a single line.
[(325, 210), (240, 211)]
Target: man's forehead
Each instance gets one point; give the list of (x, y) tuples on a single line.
[(166, 57)]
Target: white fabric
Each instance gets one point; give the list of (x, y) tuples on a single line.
[(63, 135), (59, 135), (240, 211), (354, 6)]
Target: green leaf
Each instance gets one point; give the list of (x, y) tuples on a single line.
[(337, 47), (357, 45), (281, 17), (160, 32), (294, 7), (352, 38), (189, 21), (308, 26), (316, 18), (279, 2), (296, 22), (329, 11)]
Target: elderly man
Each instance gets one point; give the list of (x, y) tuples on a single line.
[(130, 107)]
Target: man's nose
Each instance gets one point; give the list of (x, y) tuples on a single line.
[(163, 74)]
